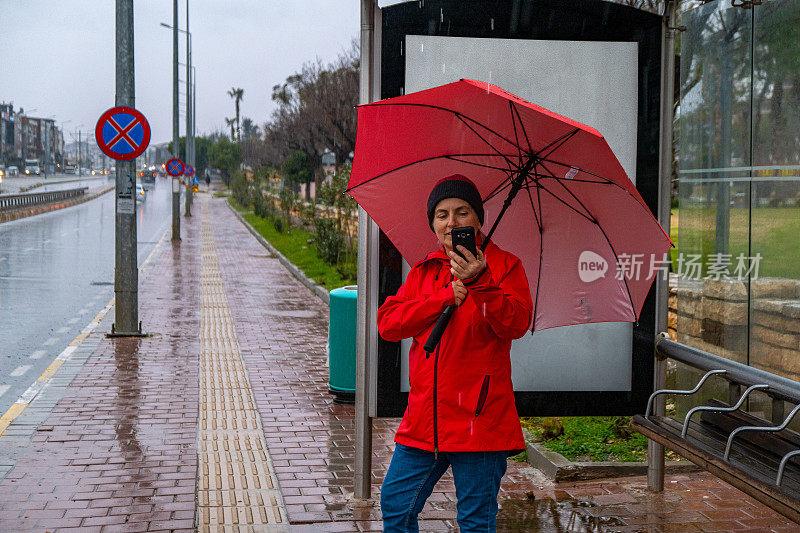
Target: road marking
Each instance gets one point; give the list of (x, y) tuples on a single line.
[(49, 342), (72, 320), (20, 370), (27, 397), (4, 389), (37, 354), (62, 330)]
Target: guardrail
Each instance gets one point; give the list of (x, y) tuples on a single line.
[(12, 202)]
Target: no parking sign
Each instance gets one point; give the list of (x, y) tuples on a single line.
[(122, 133), (175, 167)]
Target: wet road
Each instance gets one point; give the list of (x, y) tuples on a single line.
[(91, 182), (56, 274)]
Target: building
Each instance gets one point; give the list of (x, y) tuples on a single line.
[(23, 137)]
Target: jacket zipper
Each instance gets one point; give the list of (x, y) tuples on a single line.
[(435, 386), (483, 394), (435, 407)]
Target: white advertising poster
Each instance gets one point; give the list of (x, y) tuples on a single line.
[(594, 83)]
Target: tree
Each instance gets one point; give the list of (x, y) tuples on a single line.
[(237, 94), (231, 122), (201, 145), (316, 112), (226, 156), (298, 168), (249, 129)]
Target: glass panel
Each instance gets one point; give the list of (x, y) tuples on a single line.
[(775, 206), (712, 219)]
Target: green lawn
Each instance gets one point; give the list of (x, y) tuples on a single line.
[(294, 245), (594, 438), (772, 232)]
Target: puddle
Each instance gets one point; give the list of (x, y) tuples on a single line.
[(561, 515)]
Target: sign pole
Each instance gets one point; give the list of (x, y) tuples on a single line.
[(126, 273), (187, 152), (176, 183)]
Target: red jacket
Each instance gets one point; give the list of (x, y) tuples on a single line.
[(461, 396)]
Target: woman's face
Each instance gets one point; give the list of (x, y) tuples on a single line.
[(453, 213)]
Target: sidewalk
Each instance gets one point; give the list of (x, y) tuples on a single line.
[(221, 420)]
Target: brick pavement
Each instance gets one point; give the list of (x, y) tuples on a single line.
[(119, 451)]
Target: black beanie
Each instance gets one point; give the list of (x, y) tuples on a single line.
[(455, 186)]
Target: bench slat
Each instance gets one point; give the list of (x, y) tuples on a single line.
[(667, 432)]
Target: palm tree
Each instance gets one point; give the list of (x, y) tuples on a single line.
[(230, 122), (237, 94)]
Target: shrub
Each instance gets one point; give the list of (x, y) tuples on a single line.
[(329, 241)]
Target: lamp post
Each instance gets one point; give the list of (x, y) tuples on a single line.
[(189, 147)]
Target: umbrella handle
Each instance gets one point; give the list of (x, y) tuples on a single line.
[(438, 329)]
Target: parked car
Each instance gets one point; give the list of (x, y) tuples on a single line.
[(13, 171)]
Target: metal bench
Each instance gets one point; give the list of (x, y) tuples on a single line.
[(758, 456)]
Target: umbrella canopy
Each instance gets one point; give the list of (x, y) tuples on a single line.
[(571, 214)]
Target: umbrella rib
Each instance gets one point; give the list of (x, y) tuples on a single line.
[(454, 158), (440, 108), (533, 207), (556, 144), (541, 253), (547, 160), (541, 186), (589, 213), (505, 184), (521, 125), (473, 130), (516, 135), (605, 182), (596, 223), (432, 158)]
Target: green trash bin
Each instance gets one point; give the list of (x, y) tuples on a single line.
[(342, 344)]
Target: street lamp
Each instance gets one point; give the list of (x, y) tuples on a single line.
[(189, 151)]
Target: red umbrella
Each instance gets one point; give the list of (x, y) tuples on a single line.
[(554, 195)]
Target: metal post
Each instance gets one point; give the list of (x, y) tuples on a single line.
[(187, 152), (176, 185), (126, 273), (194, 118), (366, 343), (655, 451)]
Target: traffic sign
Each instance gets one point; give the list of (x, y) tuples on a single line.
[(175, 167), (122, 133), (189, 171)]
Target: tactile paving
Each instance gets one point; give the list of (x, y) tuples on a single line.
[(237, 487)]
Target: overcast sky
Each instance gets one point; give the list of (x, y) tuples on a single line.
[(57, 56)]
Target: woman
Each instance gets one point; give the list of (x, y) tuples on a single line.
[(461, 411)]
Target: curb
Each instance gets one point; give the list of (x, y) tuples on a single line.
[(559, 469), (320, 292), (8, 217)]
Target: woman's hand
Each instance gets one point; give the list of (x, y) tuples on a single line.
[(468, 266), (459, 291)]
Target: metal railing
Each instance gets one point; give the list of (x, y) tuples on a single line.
[(12, 202), (778, 388)]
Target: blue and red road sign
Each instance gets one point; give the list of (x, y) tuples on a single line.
[(189, 171), (122, 133), (175, 167)]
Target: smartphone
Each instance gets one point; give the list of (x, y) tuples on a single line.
[(465, 237)]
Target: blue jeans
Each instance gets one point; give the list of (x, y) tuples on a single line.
[(413, 473)]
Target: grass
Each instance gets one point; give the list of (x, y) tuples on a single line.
[(591, 438), (298, 247), (772, 232)]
